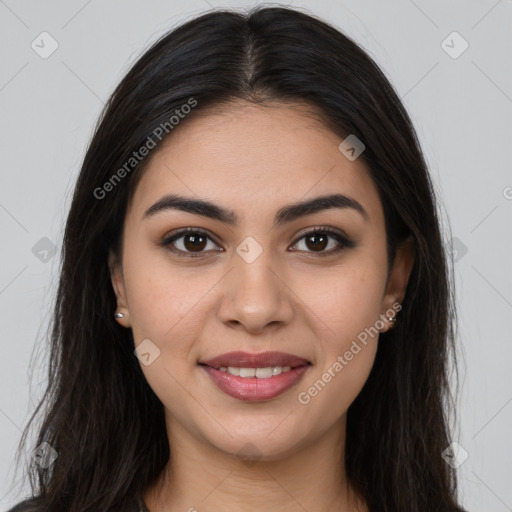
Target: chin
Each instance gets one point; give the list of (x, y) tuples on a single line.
[(259, 446)]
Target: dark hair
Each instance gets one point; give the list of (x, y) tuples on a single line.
[(100, 415)]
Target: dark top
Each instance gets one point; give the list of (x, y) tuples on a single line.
[(30, 505)]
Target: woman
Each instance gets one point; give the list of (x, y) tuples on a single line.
[(254, 309)]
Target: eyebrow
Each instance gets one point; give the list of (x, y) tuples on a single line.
[(286, 214)]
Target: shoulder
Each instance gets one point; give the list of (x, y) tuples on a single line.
[(29, 505)]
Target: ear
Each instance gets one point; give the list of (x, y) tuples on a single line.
[(397, 281), (117, 279)]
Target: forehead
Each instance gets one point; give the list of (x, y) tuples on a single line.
[(251, 157)]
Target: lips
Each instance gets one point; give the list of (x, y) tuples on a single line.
[(287, 370), (262, 360)]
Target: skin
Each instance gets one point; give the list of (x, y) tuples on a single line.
[(245, 157)]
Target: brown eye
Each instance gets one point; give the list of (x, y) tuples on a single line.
[(190, 242), (194, 242), (323, 242), (317, 241)]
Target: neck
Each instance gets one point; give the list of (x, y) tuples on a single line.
[(199, 477)]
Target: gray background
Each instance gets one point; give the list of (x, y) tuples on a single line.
[(461, 108)]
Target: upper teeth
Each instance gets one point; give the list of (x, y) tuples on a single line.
[(261, 373)]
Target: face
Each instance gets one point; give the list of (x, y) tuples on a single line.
[(258, 271)]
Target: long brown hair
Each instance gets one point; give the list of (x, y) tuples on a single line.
[(99, 413)]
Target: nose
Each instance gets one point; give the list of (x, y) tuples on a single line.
[(255, 297)]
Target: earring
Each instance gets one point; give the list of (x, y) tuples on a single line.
[(119, 315), (392, 321)]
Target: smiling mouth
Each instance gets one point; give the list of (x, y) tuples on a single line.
[(255, 377), (252, 388)]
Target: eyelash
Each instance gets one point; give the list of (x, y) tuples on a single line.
[(343, 241)]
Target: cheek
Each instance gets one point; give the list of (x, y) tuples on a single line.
[(345, 299), (161, 296), (166, 306), (347, 320), (345, 356)]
